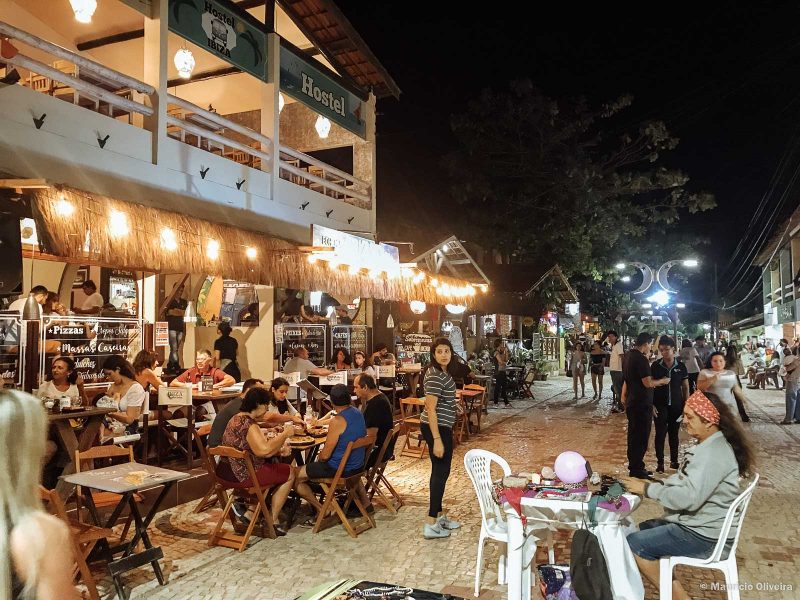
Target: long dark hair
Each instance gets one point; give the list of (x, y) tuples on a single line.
[(451, 366), (366, 362), (731, 355), (145, 359), (116, 362), (335, 358), (735, 435), (72, 374), (283, 405), (712, 355)]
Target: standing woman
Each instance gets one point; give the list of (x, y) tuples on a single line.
[(128, 394), (225, 350), (64, 380), (437, 421), (722, 382), (733, 361), (598, 358), (691, 358), (29, 568), (577, 366), (501, 376)]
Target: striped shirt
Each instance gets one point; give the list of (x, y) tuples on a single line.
[(441, 385)]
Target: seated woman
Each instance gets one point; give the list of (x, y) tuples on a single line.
[(280, 409), (144, 365), (128, 394), (360, 362), (243, 433), (341, 360), (64, 380), (697, 497)]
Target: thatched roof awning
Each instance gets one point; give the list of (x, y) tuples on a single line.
[(85, 236)]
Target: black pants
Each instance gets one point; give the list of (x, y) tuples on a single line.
[(640, 421), (692, 382), (616, 385), (666, 420), (440, 467), (501, 386)]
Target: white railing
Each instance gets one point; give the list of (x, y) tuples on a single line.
[(322, 177), (212, 128)]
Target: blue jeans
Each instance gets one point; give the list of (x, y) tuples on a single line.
[(792, 400), (175, 339), (657, 538)]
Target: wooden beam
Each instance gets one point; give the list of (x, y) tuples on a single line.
[(24, 184), (221, 72), (107, 40)]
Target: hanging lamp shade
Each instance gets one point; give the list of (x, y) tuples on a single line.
[(323, 126), (390, 322), (31, 311), (83, 9), (190, 314), (184, 62)]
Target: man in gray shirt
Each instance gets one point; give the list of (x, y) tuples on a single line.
[(299, 363)]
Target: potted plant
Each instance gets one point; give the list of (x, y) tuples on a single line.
[(540, 368)]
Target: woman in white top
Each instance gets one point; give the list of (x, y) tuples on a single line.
[(577, 366), (128, 394), (63, 381), (720, 381), (691, 358), (279, 405), (29, 568), (360, 362)]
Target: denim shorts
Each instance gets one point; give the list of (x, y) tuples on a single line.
[(657, 538)]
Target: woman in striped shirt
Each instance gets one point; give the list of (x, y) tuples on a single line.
[(437, 422)]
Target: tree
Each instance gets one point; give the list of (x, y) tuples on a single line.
[(553, 180)]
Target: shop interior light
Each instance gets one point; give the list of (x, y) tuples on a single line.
[(168, 239), (323, 126), (626, 279), (417, 307), (212, 249), (184, 62), (680, 305), (647, 305), (455, 309), (690, 262), (620, 266), (118, 224), (281, 102), (435, 282), (251, 253), (83, 9), (64, 208)]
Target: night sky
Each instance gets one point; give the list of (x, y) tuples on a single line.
[(725, 77)]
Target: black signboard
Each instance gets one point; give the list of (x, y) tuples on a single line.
[(293, 335), (415, 344), (90, 342), (352, 338), (10, 328)]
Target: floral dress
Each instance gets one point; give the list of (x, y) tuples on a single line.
[(235, 436)]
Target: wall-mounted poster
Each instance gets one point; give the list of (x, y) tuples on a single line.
[(313, 337), (10, 328), (352, 338)]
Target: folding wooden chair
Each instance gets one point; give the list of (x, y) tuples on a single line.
[(82, 537), (350, 483), (104, 499), (476, 407), (410, 418), (216, 493), (376, 476), (256, 497), (527, 383)]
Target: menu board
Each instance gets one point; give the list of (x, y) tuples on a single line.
[(10, 328), (312, 336), (416, 343), (89, 342), (352, 338)]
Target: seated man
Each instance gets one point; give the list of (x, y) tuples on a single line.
[(299, 363), (378, 415), (203, 362), (347, 426)]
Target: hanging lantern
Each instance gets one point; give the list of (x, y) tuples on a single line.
[(455, 309), (417, 307), (447, 326), (83, 9), (390, 322), (323, 126), (190, 314), (184, 62), (281, 102)]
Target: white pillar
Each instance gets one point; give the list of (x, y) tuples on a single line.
[(270, 114), (156, 74)]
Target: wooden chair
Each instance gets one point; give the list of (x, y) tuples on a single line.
[(350, 483), (476, 407), (104, 499), (461, 426), (216, 493), (410, 418), (82, 537), (527, 383), (376, 475), (256, 497)]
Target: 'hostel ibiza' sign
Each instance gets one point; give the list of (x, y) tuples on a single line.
[(221, 31)]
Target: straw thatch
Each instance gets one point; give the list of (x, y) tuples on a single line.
[(85, 235)]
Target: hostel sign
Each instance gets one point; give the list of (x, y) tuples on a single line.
[(223, 31), (320, 92)]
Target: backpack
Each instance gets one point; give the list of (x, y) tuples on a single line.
[(587, 567)]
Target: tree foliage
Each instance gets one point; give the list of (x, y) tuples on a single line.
[(554, 180)]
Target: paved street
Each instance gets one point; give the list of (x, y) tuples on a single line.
[(530, 435)]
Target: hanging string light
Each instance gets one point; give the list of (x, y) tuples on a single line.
[(184, 62), (323, 126), (83, 9)]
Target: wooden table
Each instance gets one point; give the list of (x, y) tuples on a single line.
[(470, 397), (70, 442), (413, 376), (112, 479), (198, 399)]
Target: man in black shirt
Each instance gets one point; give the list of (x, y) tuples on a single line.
[(377, 413), (175, 312), (637, 398), (668, 400)]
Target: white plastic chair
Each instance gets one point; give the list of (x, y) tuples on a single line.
[(493, 526), (728, 566)]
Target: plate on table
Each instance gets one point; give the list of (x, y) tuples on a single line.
[(318, 432), (73, 408), (301, 440)]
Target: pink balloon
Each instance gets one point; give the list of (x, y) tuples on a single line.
[(570, 467)]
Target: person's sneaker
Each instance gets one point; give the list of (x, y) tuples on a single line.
[(674, 465), (785, 422), (574, 397), (448, 523), (431, 532), (240, 510), (642, 474), (745, 418), (660, 468), (594, 396)]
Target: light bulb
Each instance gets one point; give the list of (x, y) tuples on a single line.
[(118, 223), (212, 249), (83, 9), (184, 62), (168, 239), (251, 253), (323, 126), (63, 207)]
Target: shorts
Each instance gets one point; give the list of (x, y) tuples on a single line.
[(598, 369), (657, 538), (268, 475), (322, 470)]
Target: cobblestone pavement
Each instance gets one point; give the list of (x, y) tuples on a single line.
[(529, 435)]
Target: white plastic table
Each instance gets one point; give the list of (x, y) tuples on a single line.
[(549, 514)]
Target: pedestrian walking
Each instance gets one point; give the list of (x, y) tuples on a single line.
[(691, 360), (577, 366), (668, 401), (501, 375), (791, 363), (615, 367), (722, 382), (598, 369)]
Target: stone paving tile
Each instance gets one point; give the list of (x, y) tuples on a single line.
[(529, 435)]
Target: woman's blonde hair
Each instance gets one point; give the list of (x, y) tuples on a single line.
[(23, 431)]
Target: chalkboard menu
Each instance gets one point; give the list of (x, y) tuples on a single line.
[(352, 338), (10, 327), (292, 335), (89, 342), (415, 344)]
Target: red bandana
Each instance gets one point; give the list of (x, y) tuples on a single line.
[(700, 404)]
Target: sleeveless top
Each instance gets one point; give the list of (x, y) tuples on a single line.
[(356, 428), (235, 436)]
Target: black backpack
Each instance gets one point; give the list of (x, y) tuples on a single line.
[(587, 567)]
